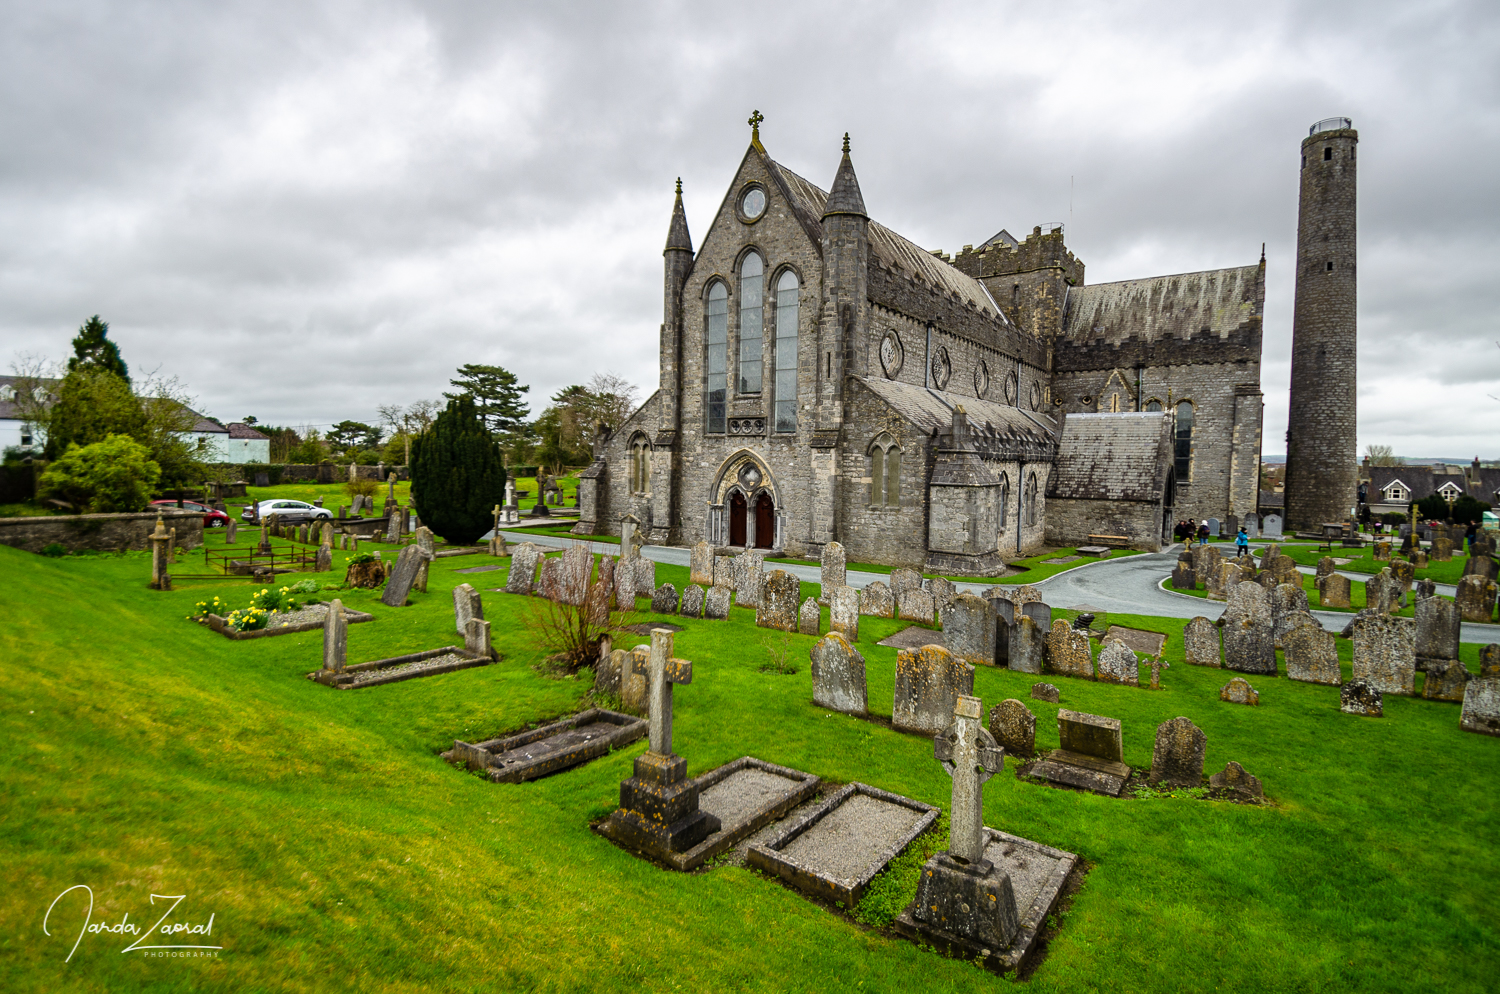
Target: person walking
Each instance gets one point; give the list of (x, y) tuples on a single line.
[(1203, 533), (1242, 544)]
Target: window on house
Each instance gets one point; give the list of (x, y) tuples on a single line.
[(752, 320), (1184, 441), (786, 352), (717, 358), (885, 472), (640, 465)]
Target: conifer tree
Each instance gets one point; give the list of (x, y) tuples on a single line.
[(92, 349), (457, 474)]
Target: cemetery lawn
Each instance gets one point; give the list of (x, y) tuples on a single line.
[(1364, 561), (145, 754), (1315, 597), (1034, 566)]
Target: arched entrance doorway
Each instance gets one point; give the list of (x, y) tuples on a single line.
[(737, 519), (765, 521)]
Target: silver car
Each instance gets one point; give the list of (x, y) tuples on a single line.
[(286, 511)]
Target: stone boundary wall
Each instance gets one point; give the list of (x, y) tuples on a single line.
[(98, 532)]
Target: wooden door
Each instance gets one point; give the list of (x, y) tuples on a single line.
[(737, 519), (765, 522)]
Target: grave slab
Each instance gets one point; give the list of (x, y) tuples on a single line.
[(433, 662), (550, 749)]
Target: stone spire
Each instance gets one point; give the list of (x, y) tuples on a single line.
[(845, 197), (677, 234)]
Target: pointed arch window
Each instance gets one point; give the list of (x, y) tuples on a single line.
[(640, 465), (752, 322), (716, 363), (885, 472), (786, 351), (1184, 441), (1031, 496), (1004, 501), (1152, 405)]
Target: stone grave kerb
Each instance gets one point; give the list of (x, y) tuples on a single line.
[(970, 756)]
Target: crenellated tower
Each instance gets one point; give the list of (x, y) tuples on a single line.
[(1322, 458)]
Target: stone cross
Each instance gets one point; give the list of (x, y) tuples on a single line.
[(497, 521), (661, 671), (755, 118), (161, 557), (390, 491), (969, 754), (1157, 665)]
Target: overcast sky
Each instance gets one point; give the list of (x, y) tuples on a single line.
[(305, 210)]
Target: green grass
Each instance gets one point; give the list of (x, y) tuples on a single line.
[(26, 509), (1034, 567), (1315, 598), (145, 754), (1364, 561)]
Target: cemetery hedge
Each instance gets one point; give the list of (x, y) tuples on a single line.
[(336, 849)]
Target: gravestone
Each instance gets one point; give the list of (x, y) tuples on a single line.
[(1005, 623), (1249, 643), (1013, 727), (1326, 567), (596, 604), (664, 599), (633, 679), (1333, 591), (1024, 594), (943, 591), (549, 580), (335, 637), (1437, 630), (1288, 605), (1312, 655), (262, 479), (724, 572), (692, 601), (575, 569), (1200, 642), (1475, 598), (1091, 735), (876, 600), (1206, 562), (1425, 588), (399, 584), (961, 892), (1045, 692), (749, 579), (1028, 646), (522, 569), (1382, 550), (1382, 591), (466, 604), (231, 532), (607, 670), (969, 629), (1239, 691), (630, 542), (1442, 549), (323, 562), (1446, 680), (835, 571), (1177, 756), (1067, 651), (1252, 525), (1118, 664), (625, 586), (1183, 577), (1481, 711), (659, 805), (1489, 660), (1272, 526), (1215, 527), (1090, 754), (1234, 778), (1358, 697), (809, 617), (716, 603), (843, 612), (929, 682), (1038, 612), (607, 579), (1232, 525), (915, 604), (1384, 652), (161, 557), (838, 675), (477, 638), (903, 580), (701, 566), (644, 572), (778, 606)]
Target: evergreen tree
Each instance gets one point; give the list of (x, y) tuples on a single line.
[(496, 394), (92, 404), (457, 475), (92, 349)]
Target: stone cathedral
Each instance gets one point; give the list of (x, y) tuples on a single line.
[(825, 379)]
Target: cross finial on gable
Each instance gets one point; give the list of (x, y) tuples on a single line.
[(846, 143), (679, 186), (755, 118)]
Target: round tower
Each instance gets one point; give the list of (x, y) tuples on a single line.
[(1321, 459)]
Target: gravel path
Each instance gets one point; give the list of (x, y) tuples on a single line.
[(846, 841)]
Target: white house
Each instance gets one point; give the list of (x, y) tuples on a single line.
[(14, 432)]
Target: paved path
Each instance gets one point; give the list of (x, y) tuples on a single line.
[(1128, 585)]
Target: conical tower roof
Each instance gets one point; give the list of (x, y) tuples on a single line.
[(845, 197), (677, 234)]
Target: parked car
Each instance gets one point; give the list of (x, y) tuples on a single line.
[(212, 516), (287, 511)]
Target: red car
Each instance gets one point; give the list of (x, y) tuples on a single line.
[(212, 518)]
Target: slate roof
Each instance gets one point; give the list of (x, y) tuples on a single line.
[(8, 410), (1220, 300), (1417, 479), (1486, 484), (1111, 457), (889, 248), (932, 410), (238, 429)]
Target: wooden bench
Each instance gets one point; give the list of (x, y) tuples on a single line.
[(1114, 541)]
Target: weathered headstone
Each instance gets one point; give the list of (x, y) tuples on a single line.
[(477, 638), (323, 562), (1038, 612), (1183, 577), (1013, 727), (1446, 680), (231, 532), (835, 571), (809, 617), (575, 569), (716, 603), (466, 604), (549, 580), (724, 572), (1206, 562), (1358, 697), (1382, 550), (1489, 660), (1442, 549), (943, 591), (749, 578), (1384, 652), (644, 572), (1481, 711), (1234, 778), (664, 599), (1091, 735), (1437, 630), (1028, 646), (915, 604), (1476, 598), (1067, 651), (876, 600), (778, 604), (1288, 605), (969, 629), (1200, 642), (1044, 692), (701, 565), (1382, 591), (398, 586), (838, 675), (1252, 525), (692, 601), (607, 670), (630, 542), (633, 679), (929, 682), (1249, 643), (1312, 655), (1239, 691), (161, 557), (522, 569), (596, 604), (1177, 756), (1334, 591), (335, 637), (843, 612), (1118, 664), (607, 579), (903, 580)]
